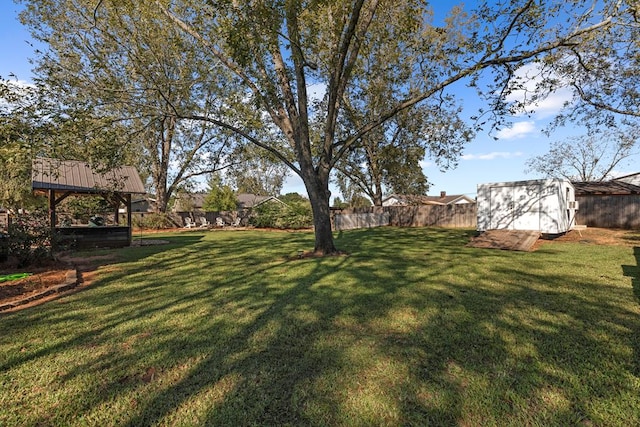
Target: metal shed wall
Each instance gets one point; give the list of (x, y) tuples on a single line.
[(536, 205)]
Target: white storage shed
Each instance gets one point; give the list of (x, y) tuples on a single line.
[(544, 205)]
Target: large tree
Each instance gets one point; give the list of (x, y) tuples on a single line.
[(134, 71), (258, 172), (33, 123), (275, 50), (590, 157), (388, 159), (17, 134), (603, 72)]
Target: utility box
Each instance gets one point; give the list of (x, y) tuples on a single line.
[(544, 205)]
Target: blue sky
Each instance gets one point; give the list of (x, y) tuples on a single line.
[(484, 159)]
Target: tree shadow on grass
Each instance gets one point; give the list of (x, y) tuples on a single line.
[(225, 332), (633, 271), (57, 312)]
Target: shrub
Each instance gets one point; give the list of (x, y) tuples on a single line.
[(298, 215), (266, 215), (155, 221), (274, 215), (30, 238)]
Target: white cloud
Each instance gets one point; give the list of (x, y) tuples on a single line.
[(20, 83), (551, 105), (492, 156), (517, 130), (425, 163), (529, 76), (316, 91)]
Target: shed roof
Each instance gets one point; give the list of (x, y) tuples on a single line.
[(79, 177), (606, 187)]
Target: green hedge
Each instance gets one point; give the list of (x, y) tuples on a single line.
[(296, 215)]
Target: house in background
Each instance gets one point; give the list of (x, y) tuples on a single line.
[(189, 202), (249, 201), (633, 178), (191, 205), (609, 204), (140, 207), (413, 200), (194, 202), (143, 205), (546, 205)]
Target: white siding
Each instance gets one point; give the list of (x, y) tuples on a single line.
[(539, 205)]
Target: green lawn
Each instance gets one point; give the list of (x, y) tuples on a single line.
[(412, 328)]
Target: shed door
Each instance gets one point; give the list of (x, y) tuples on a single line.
[(526, 209), (501, 203), (515, 207)]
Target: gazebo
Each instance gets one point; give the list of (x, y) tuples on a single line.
[(59, 179)]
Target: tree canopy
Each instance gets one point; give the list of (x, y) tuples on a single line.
[(220, 197), (257, 172), (133, 69), (246, 67), (590, 157)]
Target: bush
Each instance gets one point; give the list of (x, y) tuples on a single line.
[(274, 215), (30, 238), (298, 215), (154, 221)]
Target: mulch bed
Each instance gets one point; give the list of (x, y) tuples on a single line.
[(46, 275)]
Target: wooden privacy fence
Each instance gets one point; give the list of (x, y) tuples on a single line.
[(609, 211), (455, 216), (360, 220), (462, 215)]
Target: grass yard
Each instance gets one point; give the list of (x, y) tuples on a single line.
[(412, 328)]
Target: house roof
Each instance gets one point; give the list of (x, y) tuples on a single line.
[(411, 199), (606, 187), (194, 201), (246, 200), (79, 177), (623, 177), (186, 202), (449, 199)]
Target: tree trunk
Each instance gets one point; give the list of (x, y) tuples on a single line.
[(160, 184), (377, 194), (317, 185)]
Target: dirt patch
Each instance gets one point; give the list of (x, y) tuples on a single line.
[(596, 236), (513, 240), (46, 276), (41, 278)]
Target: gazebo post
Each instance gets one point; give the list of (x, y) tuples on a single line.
[(128, 199), (116, 208), (52, 210)]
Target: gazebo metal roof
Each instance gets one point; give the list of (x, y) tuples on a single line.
[(78, 177)]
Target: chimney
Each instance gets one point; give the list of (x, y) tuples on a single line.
[(443, 194)]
